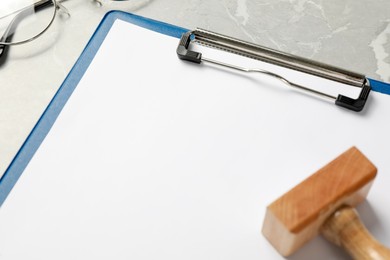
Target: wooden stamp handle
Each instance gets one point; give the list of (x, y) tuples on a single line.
[(345, 229)]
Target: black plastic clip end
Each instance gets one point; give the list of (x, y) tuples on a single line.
[(184, 53), (356, 105)]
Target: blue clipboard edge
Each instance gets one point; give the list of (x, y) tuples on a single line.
[(46, 121), (380, 86), (49, 116)]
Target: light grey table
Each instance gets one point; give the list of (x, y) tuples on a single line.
[(350, 34)]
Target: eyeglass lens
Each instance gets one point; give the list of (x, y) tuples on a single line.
[(23, 20)]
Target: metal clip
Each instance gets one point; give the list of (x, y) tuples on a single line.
[(277, 58)]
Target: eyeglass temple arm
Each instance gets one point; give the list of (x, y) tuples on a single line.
[(3, 54), (7, 36), (8, 33)]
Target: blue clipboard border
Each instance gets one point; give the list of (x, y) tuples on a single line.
[(49, 116), (46, 121)]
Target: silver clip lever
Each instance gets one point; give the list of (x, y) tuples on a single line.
[(278, 58)]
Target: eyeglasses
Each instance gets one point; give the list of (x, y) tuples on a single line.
[(30, 18), (22, 21)]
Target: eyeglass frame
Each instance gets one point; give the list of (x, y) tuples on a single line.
[(13, 24), (18, 18)]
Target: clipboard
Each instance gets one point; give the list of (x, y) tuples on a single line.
[(50, 115), (47, 119)]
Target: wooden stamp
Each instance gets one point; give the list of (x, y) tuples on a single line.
[(323, 203)]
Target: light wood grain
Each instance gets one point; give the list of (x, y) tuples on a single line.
[(297, 216), (345, 229)]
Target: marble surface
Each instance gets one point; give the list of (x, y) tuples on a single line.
[(350, 34)]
